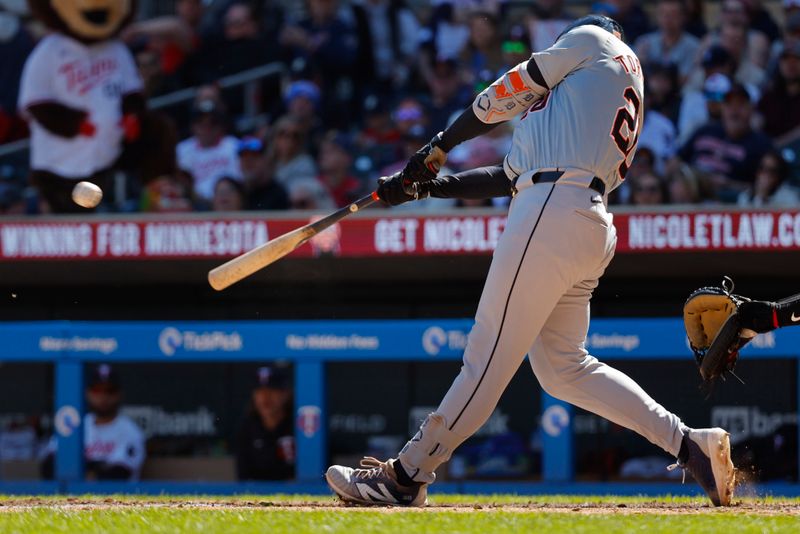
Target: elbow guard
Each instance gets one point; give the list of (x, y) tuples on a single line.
[(510, 95)]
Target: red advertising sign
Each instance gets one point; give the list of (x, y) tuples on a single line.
[(413, 235)]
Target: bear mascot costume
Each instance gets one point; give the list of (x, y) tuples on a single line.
[(82, 95)]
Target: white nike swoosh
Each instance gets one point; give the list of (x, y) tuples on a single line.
[(795, 319)]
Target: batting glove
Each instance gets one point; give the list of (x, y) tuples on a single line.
[(396, 190), (424, 165)]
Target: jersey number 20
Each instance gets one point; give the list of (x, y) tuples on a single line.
[(627, 144)]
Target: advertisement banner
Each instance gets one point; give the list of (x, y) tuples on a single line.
[(376, 236), (418, 339)]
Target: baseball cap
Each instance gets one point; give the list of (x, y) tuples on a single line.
[(715, 56), (250, 144), (304, 89), (716, 87), (272, 377), (103, 376)]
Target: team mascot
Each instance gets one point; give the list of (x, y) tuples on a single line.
[(83, 96)]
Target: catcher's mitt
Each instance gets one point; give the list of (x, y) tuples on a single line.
[(715, 330)]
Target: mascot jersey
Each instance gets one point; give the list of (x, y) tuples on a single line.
[(88, 77)]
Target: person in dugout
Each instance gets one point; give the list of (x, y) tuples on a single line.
[(265, 447), (114, 446)]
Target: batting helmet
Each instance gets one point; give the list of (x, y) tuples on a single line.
[(607, 23)]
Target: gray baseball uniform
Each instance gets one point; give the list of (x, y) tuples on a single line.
[(557, 243)]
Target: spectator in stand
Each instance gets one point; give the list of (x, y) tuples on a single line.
[(648, 190), (547, 20), (448, 95), (209, 154), (113, 444), (750, 46), (335, 165), (761, 20), (170, 38), (732, 37), (701, 106), (15, 46), (166, 194), (447, 35), (156, 81), (671, 43), (409, 114), (229, 195), (729, 152), (240, 47), (685, 186), (629, 14), (265, 445), (391, 33), (780, 104), (484, 51), (771, 188), (695, 18), (379, 139), (660, 136), (302, 99), (791, 36), (263, 192), (287, 159), (329, 46), (663, 90)]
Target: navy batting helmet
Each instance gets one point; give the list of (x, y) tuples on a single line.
[(607, 23)]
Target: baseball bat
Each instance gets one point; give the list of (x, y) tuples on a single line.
[(246, 264)]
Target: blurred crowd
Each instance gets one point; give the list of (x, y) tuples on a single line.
[(365, 83)]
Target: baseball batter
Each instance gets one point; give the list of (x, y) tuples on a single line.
[(582, 100)]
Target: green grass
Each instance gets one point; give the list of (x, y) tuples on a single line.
[(449, 513)]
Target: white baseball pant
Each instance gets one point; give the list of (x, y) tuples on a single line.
[(557, 243)]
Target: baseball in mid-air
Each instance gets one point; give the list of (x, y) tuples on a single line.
[(87, 194)]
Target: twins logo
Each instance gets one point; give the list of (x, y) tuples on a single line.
[(308, 420), (67, 420), (169, 340), (433, 340)]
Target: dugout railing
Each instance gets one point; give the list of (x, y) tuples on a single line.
[(309, 345)]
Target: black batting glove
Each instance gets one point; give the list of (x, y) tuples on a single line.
[(424, 165), (396, 190)]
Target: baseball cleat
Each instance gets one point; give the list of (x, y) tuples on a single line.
[(374, 483), (709, 463)]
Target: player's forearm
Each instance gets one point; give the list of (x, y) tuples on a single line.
[(787, 311), (506, 98), (485, 182)]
